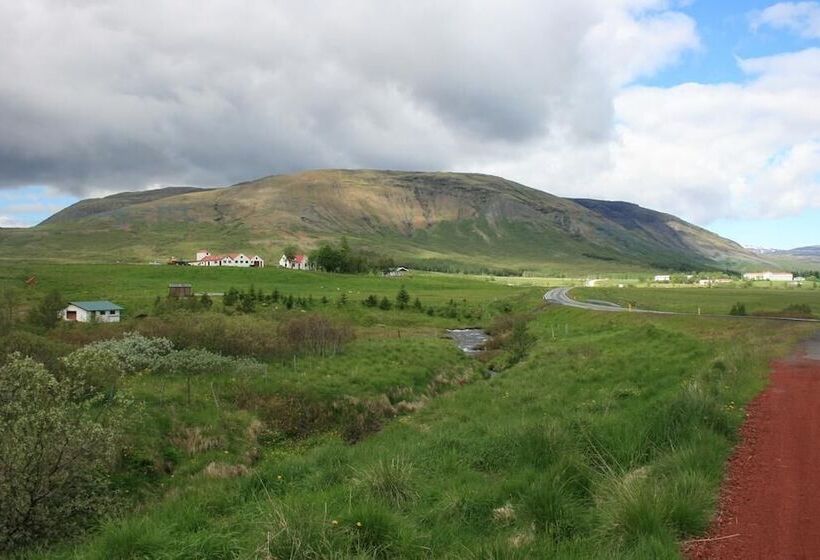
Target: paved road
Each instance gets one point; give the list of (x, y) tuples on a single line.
[(561, 296)]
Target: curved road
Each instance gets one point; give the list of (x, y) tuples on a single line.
[(560, 296)]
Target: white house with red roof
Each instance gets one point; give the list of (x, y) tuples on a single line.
[(205, 258), (299, 262)]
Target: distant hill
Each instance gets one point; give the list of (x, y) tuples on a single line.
[(92, 206), (438, 220), (798, 259)]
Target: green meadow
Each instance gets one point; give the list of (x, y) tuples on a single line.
[(575, 434), (136, 286), (714, 300)]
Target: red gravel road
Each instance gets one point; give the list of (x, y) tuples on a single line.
[(770, 503)]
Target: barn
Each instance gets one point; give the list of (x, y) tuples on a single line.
[(100, 311)]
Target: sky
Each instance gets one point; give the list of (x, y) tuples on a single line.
[(704, 109)]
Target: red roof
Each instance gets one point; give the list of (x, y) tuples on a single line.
[(210, 258), (299, 259)]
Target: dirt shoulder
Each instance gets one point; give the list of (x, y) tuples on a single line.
[(770, 503)]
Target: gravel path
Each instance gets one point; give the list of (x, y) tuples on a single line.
[(770, 504)]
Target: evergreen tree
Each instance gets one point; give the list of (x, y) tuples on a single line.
[(402, 298)]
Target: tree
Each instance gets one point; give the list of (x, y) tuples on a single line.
[(385, 304), (231, 297), (8, 308), (247, 303), (417, 305), (57, 449), (370, 301), (205, 301), (738, 309), (519, 342), (290, 252), (402, 298), (46, 314)]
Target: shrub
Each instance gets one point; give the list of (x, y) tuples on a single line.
[(46, 314), (314, 334), (402, 298), (738, 309), (385, 304), (57, 449), (196, 361), (40, 348), (132, 353), (102, 362)]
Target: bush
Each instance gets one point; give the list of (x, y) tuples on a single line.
[(102, 360), (40, 348), (196, 361), (402, 298), (57, 449), (46, 314), (314, 334), (738, 309)]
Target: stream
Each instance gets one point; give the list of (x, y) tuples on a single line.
[(469, 341)]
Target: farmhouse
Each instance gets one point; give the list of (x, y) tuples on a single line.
[(101, 311), (299, 262), (769, 275), (205, 258), (663, 278)]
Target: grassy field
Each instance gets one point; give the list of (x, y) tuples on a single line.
[(136, 286), (715, 300), (601, 435)]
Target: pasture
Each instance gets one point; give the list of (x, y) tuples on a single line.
[(713, 301), (575, 435)]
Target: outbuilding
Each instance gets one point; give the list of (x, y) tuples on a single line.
[(101, 311), (180, 290)]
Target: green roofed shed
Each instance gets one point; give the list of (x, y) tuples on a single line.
[(99, 305)]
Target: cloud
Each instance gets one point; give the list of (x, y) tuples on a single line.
[(703, 151), (802, 18), (98, 96)]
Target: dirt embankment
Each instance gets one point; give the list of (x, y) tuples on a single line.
[(770, 503)]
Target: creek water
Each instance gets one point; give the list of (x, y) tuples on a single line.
[(470, 341)]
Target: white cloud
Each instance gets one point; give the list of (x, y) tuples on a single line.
[(103, 96), (704, 151), (11, 222), (802, 18), (98, 96)]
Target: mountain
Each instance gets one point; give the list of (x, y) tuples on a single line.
[(798, 259), (93, 206), (438, 220)]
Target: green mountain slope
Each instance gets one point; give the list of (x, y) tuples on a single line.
[(472, 221), (93, 206)]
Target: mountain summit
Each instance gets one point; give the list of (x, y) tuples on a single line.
[(467, 221)]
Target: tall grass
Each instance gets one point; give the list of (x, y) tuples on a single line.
[(607, 440)]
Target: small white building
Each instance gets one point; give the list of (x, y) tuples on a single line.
[(398, 271), (769, 275), (299, 262), (663, 278), (101, 311), (205, 258)]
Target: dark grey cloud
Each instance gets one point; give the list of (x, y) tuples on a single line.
[(98, 95)]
